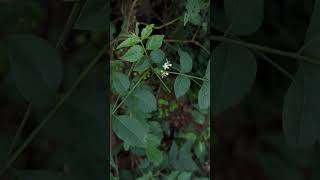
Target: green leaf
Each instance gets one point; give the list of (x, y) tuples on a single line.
[(192, 14), (300, 110), (185, 161), (184, 176), (155, 42), (173, 153), (204, 96), (153, 140), (234, 71), (200, 150), (157, 56), (156, 129), (207, 75), (41, 175), (137, 29), (192, 17), (130, 130), (173, 175), (142, 65), (185, 61), (181, 85), (32, 59), (198, 117), (93, 16), (142, 100), (129, 42), (154, 155), (146, 32), (134, 54), (244, 17), (120, 82)]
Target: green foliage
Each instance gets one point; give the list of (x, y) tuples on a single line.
[(193, 11), (33, 59), (60, 75), (155, 42), (120, 82), (232, 79), (181, 85), (244, 18), (131, 131), (157, 56), (141, 110), (185, 61), (241, 39), (93, 17), (134, 54)]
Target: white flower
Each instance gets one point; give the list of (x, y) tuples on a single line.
[(164, 74), (166, 65)]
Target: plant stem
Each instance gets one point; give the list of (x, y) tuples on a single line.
[(266, 49), (129, 93), (164, 84), (167, 24), (186, 75), (130, 14), (71, 19), (277, 66), (20, 129), (54, 110), (189, 41), (129, 73), (163, 25)]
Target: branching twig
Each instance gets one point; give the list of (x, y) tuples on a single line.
[(130, 14), (266, 49), (163, 25), (189, 41)]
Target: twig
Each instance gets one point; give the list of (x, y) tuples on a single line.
[(163, 25), (186, 75), (20, 129), (195, 34), (189, 41), (130, 14), (153, 70), (267, 49), (129, 93), (76, 10), (277, 66)]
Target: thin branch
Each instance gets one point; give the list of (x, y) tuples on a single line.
[(195, 34), (129, 93), (186, 75), (153, 70), (163, 25), (277, 66), (189, 41), (20, 129), (76, 10), (130, 14), (266, 49)]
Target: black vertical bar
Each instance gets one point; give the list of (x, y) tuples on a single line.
[(211, 94), (108, 118)]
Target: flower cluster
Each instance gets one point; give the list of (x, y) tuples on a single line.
[(165, 66)]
